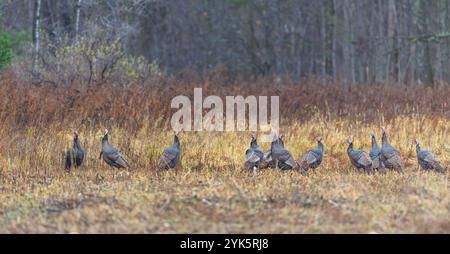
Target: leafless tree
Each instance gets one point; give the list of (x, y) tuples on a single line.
[(36, 33), (348, 41)]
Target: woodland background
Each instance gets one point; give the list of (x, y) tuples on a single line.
[(401, 41)]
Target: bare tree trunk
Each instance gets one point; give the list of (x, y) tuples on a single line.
[(390, 46), (446, 61), (77, 21), (332, 10), (346, 48), (439, 62), (425, 25), (381, 49), (351, 42), (323, 48), (36, 34)]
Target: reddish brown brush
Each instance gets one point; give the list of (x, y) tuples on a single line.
[(131, 106)]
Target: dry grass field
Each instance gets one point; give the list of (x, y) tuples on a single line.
[(210, 193)]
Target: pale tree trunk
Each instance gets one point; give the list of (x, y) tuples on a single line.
[(36, 34), (77, 21)]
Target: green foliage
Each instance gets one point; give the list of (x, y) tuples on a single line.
[(20, 38), (10, 43), (238, 3), (6, 53), (6, 49)]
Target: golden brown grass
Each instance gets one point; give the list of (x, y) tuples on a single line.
[(210, 193)]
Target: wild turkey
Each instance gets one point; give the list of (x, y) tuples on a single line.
[(359, 158), (312, 157), (375, 154), (74, 156), (389, 156), (254, 156), (112, 155), (281, 155), (171, 155), (427, 160), (268, 161)]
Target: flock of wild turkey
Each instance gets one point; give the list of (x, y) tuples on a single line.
[(378, 159)]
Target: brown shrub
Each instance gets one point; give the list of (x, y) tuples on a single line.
[(130, 107)]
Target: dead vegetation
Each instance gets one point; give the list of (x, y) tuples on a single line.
[(210, 194)]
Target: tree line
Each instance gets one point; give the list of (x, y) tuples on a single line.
[(346, 41)]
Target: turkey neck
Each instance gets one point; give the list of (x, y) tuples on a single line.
[(176, 141), (417, 148), (320, 145), (350, 148), (281, 142), (384, 138), (275, 145), (253, 143), (278, 144), (374, 142), (76, 143), (105, 141)]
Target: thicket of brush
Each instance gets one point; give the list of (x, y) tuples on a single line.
[(135, 105)]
